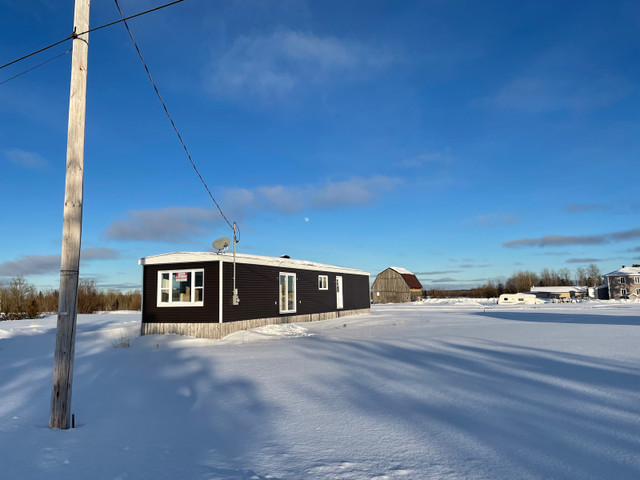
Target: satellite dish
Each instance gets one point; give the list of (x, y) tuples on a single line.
[(221, 243)]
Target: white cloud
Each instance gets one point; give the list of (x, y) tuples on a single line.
[(291, 199), (30, 160), (43, 264), (271, 66), (166, 224), (563, 78), (177, 224)]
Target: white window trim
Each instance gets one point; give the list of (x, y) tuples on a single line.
[(623, 291), (323, 282), (623, 280), (173, 304), (636, 279), (283, 308)]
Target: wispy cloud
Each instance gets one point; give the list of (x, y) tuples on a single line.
[(30, 160), (473, 265), (563, 78), (491, 220), (419, 161), (177, 224), (291, 199), (43, 264), (271, 66), (583, 207), (558, 240), (584, 260), (437, 272), (166, 224)]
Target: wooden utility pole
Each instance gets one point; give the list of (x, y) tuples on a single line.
[(72, 225)]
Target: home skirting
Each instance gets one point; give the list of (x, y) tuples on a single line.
[(221, 330)]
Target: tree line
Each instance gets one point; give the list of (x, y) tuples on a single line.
[(522, 281), (20, 299)]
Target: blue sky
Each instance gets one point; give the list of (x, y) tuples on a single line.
[(461, 140)]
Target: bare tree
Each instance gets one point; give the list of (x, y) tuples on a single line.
[(594, 275)]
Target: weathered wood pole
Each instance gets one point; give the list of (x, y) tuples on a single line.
[(71, 225)]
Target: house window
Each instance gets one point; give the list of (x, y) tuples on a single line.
[(636, 279), (323, 282), (623, 291), (638, 291), (287, 292), (181, 288), (623, 280)]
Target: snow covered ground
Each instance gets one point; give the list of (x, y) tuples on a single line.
[(438, 390)]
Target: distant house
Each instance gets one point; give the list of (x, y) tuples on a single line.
[(192, 293), (624, 283), (396, 285), (562, 294)]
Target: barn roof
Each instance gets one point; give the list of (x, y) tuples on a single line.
[(189, 257), (412, 281)]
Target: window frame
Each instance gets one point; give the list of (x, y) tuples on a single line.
[(636, 279), (623, 280), (169, 290), (323, 282), (623, 292), (287, 276)]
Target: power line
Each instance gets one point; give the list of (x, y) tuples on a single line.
[(75, 34), (166, 110), (36, 66)]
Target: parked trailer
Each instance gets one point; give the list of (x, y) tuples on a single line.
[(517, 299)]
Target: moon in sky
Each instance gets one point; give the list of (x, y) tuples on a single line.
[(306, 219)]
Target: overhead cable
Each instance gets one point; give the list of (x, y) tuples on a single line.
[(166, 111), (75, 34), (36, 66)]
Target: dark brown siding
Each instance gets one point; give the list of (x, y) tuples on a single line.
[(151, 313), (258, 289)]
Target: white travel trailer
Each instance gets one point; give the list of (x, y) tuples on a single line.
[(517, 299)]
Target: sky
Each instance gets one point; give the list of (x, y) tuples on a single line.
[(460, 140)]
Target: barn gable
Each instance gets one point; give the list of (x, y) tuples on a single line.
[(396, 285)]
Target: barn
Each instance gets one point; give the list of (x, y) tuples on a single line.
[(192, 293), (396, 285)]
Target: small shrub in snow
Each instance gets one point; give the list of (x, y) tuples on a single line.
[(122, 342)]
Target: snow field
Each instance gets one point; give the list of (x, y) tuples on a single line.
[(436, 390)]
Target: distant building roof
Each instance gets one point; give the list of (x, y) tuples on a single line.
[(624, 271), (575, 289)]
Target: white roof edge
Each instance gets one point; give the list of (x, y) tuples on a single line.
[(194, 257), (623, 271), (569, 288), (401, 271)]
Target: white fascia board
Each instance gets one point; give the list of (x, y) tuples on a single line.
[(190, 257)]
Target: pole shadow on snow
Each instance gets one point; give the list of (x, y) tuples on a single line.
[(482, 409), (140, 412), (571, 318)]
